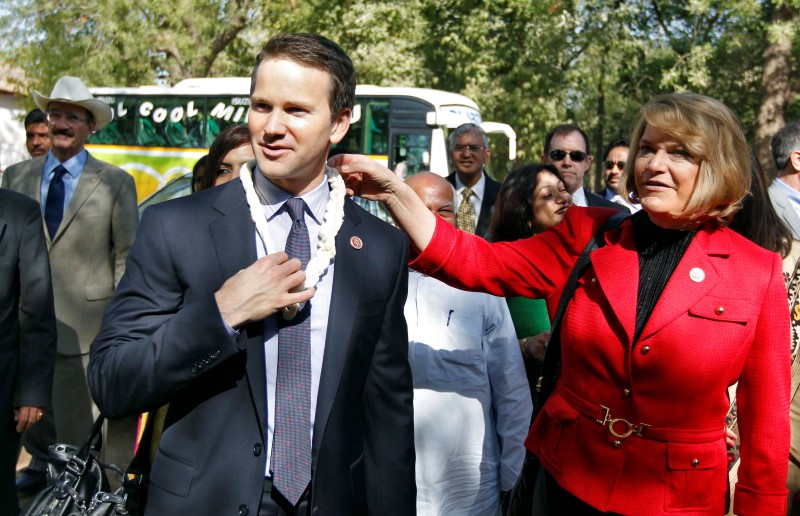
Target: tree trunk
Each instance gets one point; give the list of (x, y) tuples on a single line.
[(776, 85), (599, 134)]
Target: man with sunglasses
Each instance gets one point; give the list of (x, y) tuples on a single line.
[(90, 217), (567, 148), (469, 153), (615, 157)]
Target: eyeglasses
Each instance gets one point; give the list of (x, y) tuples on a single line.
[(71, 118), (576, 155), (472, 148), (610, 164)]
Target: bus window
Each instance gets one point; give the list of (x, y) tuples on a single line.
[(122, 129), (370, 134), (223, 112), (376, 122), (170, 122), (351, 143), (412, 150)]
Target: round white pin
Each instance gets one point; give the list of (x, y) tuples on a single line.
[(697, 274)]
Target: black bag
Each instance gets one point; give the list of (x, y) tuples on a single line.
[(78, 485), (74, 477), (528, 497)]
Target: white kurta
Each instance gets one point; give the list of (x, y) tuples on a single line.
[(472, 405)]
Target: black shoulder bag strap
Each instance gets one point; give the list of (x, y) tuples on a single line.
[(552, 357)]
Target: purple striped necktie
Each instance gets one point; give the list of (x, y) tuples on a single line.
[(291, 443)]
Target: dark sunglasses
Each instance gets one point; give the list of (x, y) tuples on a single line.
[(610, 164), (558, 155)]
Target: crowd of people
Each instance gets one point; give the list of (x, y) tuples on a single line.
[(300, 356)]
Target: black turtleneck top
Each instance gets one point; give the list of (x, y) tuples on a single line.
[(660, 250)]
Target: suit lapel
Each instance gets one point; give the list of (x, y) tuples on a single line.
[(233, 233), (616, 267), (693, 278), (344, 302), (88, 181), (30, 178), (490, 192)]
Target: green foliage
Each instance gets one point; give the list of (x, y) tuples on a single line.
[(532, 64)]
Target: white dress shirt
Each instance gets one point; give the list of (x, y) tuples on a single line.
[(472, 404), (579, 197), (610, 195), (280, 223)]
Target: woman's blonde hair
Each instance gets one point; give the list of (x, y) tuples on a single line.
[(712, 135)]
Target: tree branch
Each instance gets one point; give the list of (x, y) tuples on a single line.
[(187, 23), (660, 20), (223, 39)]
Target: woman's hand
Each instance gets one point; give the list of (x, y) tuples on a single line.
[(730, 438), (536, 346), (371, 180), (366, 178)]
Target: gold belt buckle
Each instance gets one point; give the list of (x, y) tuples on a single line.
[(630, 428)]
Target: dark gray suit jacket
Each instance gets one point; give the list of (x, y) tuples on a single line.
[(595, 201), (27, 326), (163, 340), (487, 204), (27, 318)]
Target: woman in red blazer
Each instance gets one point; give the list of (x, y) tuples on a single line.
[(673, 310)]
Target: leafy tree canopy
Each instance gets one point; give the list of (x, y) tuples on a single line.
[(532, 64)]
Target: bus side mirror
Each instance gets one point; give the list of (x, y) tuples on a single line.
[(355, 116)]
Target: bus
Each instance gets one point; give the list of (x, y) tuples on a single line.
[(159, 132)]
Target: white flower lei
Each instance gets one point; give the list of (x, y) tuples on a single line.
[(326, 240)]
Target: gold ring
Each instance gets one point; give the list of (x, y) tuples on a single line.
[(39, 414)]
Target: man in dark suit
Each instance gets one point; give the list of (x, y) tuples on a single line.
[(88, 208), (567, 148), (27, 332), (211, 309), (469, 151)]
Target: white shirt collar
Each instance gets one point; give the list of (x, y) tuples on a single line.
[(273, 198), (478, 189), (579, 197)]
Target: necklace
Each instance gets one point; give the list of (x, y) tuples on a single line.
[(326, 240)]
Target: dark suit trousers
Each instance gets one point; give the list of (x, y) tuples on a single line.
[(9, 438)]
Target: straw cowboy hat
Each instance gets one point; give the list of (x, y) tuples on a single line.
[(71, 90)]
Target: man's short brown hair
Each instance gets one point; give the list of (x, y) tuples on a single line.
[(315, 51)]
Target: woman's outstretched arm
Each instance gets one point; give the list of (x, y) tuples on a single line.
[(371, 180)]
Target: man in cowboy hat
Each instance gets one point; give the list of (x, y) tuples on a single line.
[(90, 218)]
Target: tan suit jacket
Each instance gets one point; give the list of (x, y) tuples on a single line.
[(87, 255)]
